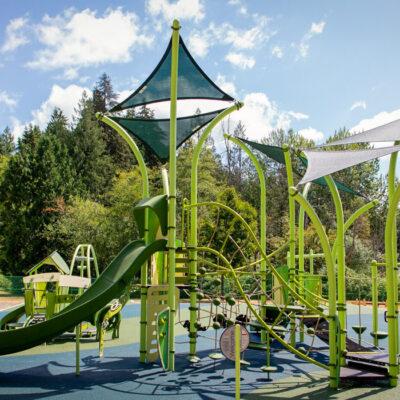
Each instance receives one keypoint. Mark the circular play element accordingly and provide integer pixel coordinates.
(379, 335)
(227, 341)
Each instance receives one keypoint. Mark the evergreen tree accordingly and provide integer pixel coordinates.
(105, 98)
(37, 182)
(93, 164)
(7, 146)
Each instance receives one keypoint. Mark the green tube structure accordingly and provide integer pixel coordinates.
(391, 274)
(340, 254)
(263, 223)
(193, 226)
(391, 191)
(334, 365)
(292, 235)
(145, 193)
(374, 290)
(301, 250)
(172, 193)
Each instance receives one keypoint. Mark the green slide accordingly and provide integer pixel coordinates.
(110, 285)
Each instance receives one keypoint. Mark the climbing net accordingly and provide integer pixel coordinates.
(237, 282)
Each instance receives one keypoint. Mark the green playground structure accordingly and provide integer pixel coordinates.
(285, 304)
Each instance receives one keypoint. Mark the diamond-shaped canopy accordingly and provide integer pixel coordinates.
(193, 83)
(154, 133)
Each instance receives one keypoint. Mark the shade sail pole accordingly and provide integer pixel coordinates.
(301, 229)
(339, 257)
(263, 225)
(292, 236)
(334, 345)
(391, 270)
(172, 193)
(145, 193)
(192, 245)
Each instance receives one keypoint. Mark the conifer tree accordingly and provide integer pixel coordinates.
(93, 164)
(7, 146)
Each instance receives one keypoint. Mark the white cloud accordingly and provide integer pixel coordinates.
(359, 104)
(317, 28)
(311, 134)
(381, 118)
(6, 99)
(227, 34)
(226, 86)
(277, 52)
(15, 35)
(17, 128)
(240, 60)
(241, 8)
(303, 47)
(80, 39)
(180, 9)
(260, 115)
(64, 98)
(198, 45)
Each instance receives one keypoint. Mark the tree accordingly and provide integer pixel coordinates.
(7, 146)
(105, 98)
(237, 247)
(93, 164)
(38, 180)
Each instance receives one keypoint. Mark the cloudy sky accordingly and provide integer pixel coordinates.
(312, 65)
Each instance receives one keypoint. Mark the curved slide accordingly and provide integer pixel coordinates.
(110, 285)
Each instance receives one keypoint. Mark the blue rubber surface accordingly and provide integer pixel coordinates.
(120, 375)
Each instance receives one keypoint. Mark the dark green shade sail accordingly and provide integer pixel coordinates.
(193, 82)
(276, 154)
(154, 133)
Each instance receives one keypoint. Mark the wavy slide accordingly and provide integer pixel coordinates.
(110, 285)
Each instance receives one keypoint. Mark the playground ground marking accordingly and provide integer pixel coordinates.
(9, 308)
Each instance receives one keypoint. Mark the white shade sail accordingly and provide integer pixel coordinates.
(322, 163)
(385, 133)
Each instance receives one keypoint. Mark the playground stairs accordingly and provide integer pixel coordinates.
(365, 366)
(182, 267)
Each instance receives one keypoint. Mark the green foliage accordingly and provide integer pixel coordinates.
(7, 146)
(82, 221)
(37, 181)
(224, 232)
(93, 165)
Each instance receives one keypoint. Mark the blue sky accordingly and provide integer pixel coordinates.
(314, 66)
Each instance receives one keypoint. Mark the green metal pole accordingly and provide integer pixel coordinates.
(292, 235)
(311, 262)
(172, 193)
(391, 271)
(334, 365)
(145, 193)
(263, 224)
(301, 251)
(237, 361)
(391, 190)
(193, 227)
(374, 276)
(341, 267)
(78, 331)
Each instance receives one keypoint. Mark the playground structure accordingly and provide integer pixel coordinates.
(48, 292)
(285, 305)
